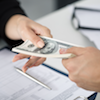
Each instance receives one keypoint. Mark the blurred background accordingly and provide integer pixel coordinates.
(39, 8)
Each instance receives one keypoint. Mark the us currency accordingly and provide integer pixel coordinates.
(50, 49)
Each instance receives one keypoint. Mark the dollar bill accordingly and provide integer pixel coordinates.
(50, 49)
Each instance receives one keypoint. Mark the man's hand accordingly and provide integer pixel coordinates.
(84, 69)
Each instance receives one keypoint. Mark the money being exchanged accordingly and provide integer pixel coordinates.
(50, 49)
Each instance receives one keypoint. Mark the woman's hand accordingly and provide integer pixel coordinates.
(33, 61)
(21, 27)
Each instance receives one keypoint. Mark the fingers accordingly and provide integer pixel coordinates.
(29, 29)
(36, 40)
(63, 51)
(40, 61)
(29, 34)
(73, 50)
(30, 62)
(19, 57)
(69, 64)
(40, 29)
(33, 61)
(36, 30)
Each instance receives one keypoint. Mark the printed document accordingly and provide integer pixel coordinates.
(15, 86)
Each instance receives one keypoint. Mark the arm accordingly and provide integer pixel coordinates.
(16, 27)
(8, 8)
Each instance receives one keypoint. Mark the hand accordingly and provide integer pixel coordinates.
(33, 61)
(84, 69)
(21, 27)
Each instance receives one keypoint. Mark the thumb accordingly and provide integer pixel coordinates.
(74, 50)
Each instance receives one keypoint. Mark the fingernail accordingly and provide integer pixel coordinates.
(62, 50)
(40, 43)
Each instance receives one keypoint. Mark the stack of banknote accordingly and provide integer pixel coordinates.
(50, 49)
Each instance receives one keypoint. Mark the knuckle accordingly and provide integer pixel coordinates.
(78, 85)
(65, 63)
(72, 78)
(90, 49)
(23, 30)
(68, 64)
(48, 30)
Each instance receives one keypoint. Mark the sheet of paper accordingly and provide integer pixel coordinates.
(14, 86)
(93, 35)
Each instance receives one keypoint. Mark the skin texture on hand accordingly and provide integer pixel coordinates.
(84, 69)
(21, 27)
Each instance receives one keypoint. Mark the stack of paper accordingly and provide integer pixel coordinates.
(15, 86)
